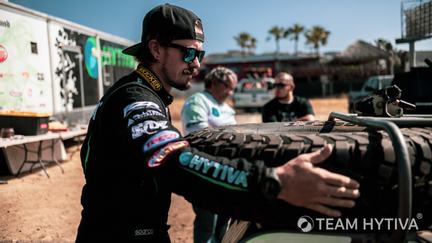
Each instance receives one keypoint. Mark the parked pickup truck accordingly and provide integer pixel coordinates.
(252, 94)
(372, 84)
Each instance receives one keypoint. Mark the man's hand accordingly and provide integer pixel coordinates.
(303, 184)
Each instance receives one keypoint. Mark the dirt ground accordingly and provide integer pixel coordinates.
(40, 209)
(34, 208)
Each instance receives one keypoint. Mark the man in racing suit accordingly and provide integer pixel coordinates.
(133, 158)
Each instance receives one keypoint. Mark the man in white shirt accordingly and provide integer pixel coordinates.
(209, 109)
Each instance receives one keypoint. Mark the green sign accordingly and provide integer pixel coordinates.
(113, 56)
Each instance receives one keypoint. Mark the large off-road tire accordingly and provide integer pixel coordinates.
(366, 155)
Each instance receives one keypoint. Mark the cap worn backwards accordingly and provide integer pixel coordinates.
(166, 23)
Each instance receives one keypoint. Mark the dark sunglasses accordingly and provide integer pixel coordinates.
(280, 85)
(189, 54)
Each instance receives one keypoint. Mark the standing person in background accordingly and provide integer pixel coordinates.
(209, 109)
(286, 106)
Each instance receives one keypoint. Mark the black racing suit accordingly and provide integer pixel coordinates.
(133, 159)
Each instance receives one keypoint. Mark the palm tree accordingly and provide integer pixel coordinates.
(295, 32)
(243, 39)
(277, 33)
(317, 36)
(252, 44)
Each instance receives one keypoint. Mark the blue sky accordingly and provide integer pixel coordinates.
(347, 20)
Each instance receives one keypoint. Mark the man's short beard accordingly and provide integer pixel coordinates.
(282, 98)
(181, 87)
(171, 83)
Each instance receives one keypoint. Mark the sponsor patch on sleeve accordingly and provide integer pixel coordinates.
(148, 114)
(160, 156)
(214, 171)
(140, 105)
(159, 139)
(147, 127)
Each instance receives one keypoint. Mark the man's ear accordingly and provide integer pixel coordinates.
(291, 88)
(155, 49)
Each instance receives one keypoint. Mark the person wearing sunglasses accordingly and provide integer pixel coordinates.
(133, 158)
(209, 109)
(286, 106)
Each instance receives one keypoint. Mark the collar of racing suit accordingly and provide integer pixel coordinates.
(153, 82)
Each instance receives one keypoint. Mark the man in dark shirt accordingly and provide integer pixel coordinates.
(133, 157)
(286, 106)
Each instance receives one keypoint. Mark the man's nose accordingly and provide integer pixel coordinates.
(195, 63)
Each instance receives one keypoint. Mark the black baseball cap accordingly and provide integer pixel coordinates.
(166, 23)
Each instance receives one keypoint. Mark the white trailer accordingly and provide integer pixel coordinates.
(52, 65)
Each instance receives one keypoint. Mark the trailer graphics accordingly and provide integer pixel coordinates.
(55, 66)
(24, 66)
